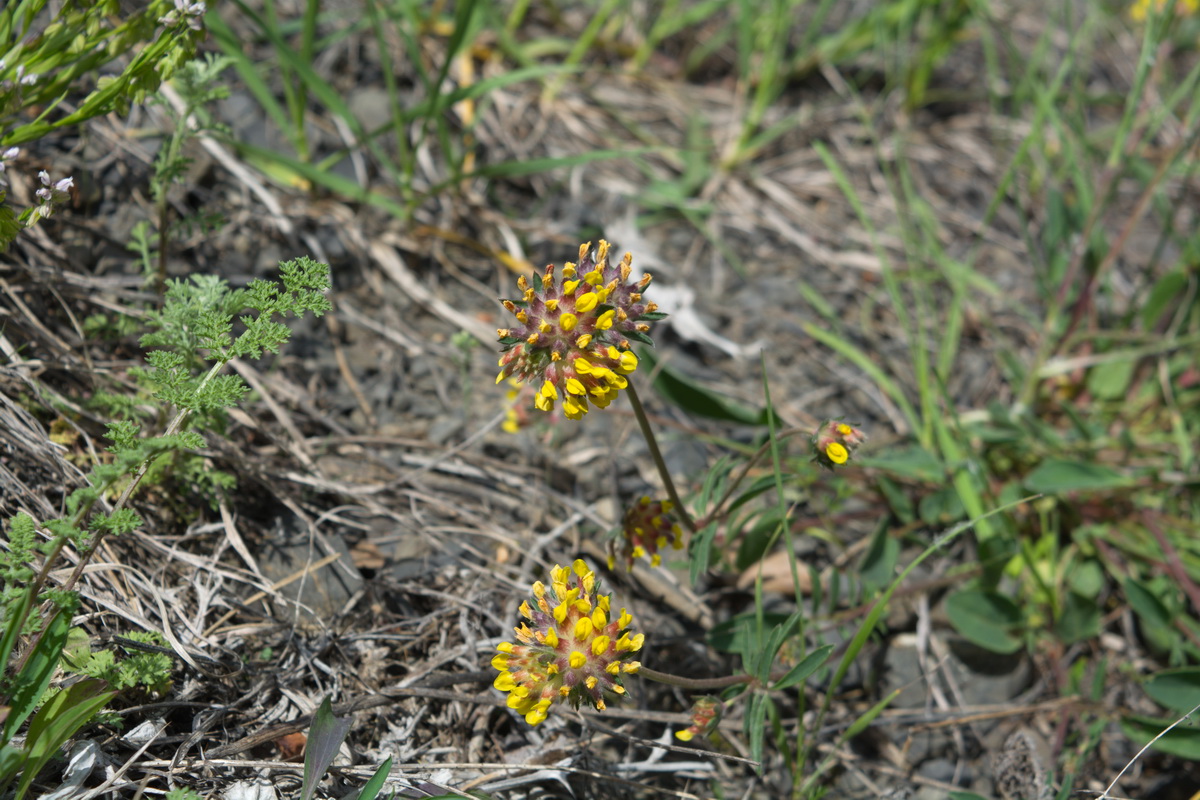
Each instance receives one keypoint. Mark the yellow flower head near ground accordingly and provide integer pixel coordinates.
(570, 648)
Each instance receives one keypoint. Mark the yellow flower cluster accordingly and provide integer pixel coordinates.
(834, 442)
(1140, 10)
(649, 526)
(573, 334)
(568, 649)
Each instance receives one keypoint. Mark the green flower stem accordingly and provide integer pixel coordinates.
(751, 462)
(656, 454)
(696, 683)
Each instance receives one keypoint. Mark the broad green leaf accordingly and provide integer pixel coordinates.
(12, 759)
(29, 685)
(324, 738)
(941, 507)
(1086, 577)
(807, 666)
(1157, 623)
(915, 463)
(757, 537)
(762, 661)
(695, 398)
(878, 565)
(897, 499)
(1079, 619)
(1146, 604)
(56, 722)
(1182, 740)
(1175, 689)
(1054, 475)
(756, 715)
(987, 619)
(1110, 380)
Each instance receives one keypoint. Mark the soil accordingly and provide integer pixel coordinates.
(384, 527)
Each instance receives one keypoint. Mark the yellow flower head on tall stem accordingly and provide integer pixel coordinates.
(574, 330)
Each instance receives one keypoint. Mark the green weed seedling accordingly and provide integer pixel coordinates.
(193, 339)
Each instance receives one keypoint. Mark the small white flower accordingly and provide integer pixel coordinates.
(192, 12)
(51, 194)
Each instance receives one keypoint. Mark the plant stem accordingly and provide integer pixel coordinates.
(77, 520)
(656, 454)
(695, 683)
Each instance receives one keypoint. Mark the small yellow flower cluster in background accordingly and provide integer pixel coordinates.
(1140, 10)
(649, 526)
(568, 650)
(834, 442)
(706, 713)
(573, 334)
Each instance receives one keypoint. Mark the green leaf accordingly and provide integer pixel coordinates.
(324, 738)
(1166, 291)
(965, 796)
(12, 759)
(1079, 619)
(1086, 577)
(914, 463)
(703, 551)
(57, 721)
(737, 635)
(1175, 689)
(878, 564)
(898, 501)
(756, 715)
(372, 787)
(29, 685)
(13, 624)
(756, 537)
(1146, 604)
(1157, 623)
(762, 660)
(1110, 380)
(942, 507)
(697, 399)
(807, 666)
(1182, 740)
(987, 619)
(1054, 476)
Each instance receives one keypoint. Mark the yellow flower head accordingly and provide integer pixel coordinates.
(649, 527)
(570, 650)
(573, 335)
(834, 442)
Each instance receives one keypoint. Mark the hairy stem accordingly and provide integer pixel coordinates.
(696, 683)
(648, 434)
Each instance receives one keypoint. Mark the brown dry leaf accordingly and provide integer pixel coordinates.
(366, 555)
(777, 575)
(291, 746)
